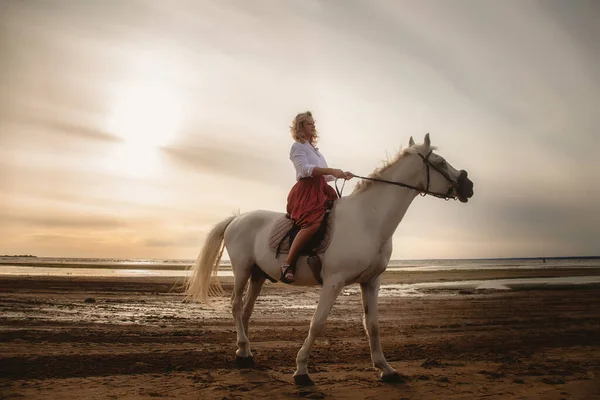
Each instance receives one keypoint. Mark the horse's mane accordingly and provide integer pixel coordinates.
(364, 184)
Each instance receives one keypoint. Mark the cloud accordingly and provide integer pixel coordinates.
(68, 221)
(492, 226)
(174, 240)
(554, 222)
(50, 125)
(233, 160)
(81, 131)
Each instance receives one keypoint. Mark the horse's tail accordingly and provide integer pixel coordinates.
(199, 286)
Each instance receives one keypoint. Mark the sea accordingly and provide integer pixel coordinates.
(129, 267)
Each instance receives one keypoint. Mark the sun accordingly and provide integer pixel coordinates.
(146, 114)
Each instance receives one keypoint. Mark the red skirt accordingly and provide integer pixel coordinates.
(306, 200)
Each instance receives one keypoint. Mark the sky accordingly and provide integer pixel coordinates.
(127, 129)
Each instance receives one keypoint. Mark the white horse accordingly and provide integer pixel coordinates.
(359, 251)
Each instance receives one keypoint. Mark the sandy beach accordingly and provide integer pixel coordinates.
(134, 337)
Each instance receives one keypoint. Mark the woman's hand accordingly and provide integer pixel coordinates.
(338, 173)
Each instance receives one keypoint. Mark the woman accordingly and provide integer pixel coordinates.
(306, 201)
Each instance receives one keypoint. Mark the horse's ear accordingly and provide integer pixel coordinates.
(411, 142)
(427, 142)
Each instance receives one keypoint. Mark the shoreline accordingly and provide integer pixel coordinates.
(393, 285)
(390, 276)
(183, 264)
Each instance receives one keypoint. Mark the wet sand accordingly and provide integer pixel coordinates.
(131, 338)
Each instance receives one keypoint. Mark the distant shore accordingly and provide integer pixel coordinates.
(111, 265)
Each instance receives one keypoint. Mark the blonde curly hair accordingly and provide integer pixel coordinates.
(298, 125)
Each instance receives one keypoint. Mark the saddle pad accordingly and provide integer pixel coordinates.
(284, 224)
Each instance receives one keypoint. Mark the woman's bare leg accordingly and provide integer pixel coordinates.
(301, 239)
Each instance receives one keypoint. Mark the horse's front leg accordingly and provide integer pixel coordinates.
(370, 292)
(329, 293)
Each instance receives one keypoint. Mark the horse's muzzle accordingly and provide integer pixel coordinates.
(464, 187)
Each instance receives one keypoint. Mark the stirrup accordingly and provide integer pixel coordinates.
(286, 273)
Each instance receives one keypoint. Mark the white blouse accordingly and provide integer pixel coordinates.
(305, 158)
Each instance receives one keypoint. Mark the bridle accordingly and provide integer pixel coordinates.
(446, 196)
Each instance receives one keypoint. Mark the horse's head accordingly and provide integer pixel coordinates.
(439, 177)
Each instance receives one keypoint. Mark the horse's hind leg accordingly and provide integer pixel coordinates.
(256, 282)
(241, 274)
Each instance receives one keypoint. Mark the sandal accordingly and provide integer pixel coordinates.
(287, 274)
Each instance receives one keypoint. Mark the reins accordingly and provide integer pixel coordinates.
(447, 196)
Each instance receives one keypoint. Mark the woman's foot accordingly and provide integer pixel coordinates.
(287, 274)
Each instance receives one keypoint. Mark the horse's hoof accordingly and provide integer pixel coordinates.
(244, 362)
(393, 378)
(303, 380)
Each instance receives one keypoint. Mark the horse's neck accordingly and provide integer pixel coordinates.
(383, 205)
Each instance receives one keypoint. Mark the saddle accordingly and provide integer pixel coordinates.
(285, 230)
